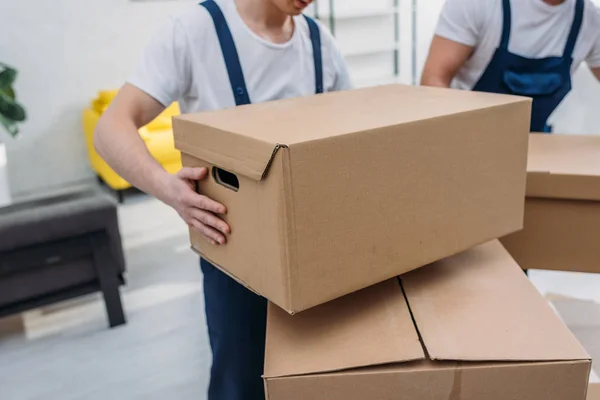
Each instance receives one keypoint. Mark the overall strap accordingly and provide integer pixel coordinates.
(230, 55)
(315, 38)
(575, 28)
(506, 24)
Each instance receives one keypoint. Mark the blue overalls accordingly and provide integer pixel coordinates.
(546, 80)
(236, 317)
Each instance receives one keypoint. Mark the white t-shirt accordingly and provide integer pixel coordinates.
(183, 62)
(538, 30)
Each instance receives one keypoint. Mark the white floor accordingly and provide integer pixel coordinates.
(65, 352)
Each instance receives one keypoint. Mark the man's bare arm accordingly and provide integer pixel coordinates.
(443, 62)
(118, 141)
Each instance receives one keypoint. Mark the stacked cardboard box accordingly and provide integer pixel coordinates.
(581, 313)
(562, 211)
(339, 193)
(594, 392)
(469, 327)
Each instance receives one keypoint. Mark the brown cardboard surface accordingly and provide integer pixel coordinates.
(341, 191)
(379, 331)
(255, 246)
(582, 317)
(483, 284)
(558, 235)
(562, 209)
(450, 300)
(594, 392)
(564, 166)
(511, 381)
(312, 118)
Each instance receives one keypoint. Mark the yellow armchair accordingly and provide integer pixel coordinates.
(158, 136)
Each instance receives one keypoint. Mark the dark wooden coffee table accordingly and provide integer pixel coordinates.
(57, 248)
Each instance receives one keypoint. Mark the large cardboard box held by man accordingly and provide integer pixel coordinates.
(562, 211)
(332, 193)
(470, 327)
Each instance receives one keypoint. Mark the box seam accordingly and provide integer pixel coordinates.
(184, 146)
(272, 158)
(223, 270)
(410, 124)
(462, 362)
(459, 364)
(289, 233)
(414, 321)
(551, 193)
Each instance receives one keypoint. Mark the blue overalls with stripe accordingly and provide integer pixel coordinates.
(236, 317)
(546, 80)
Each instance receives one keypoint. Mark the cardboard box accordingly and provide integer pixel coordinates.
(582, 317)
(594, 392)
(470, 327)
(332, 193)
(562, 211)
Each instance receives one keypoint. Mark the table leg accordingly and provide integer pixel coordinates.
(107, 272)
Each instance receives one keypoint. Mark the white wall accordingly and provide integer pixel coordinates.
(65, 51)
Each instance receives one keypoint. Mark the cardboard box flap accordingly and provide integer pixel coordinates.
(480, 306)
(232, 152)
(311, 118)
(369, 327)
(564, 166)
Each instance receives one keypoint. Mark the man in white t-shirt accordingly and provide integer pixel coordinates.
(218, 54)
(523, 47)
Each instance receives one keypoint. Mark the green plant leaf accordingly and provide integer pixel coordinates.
(7, 77)
(10, 109)
(11, 127)
(10, 92)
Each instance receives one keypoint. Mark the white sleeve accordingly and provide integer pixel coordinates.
(164, 70)
(593, 58)
(462, 21)
(342, 77)
(332, 54)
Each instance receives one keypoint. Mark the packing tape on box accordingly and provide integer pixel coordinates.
(456, 393)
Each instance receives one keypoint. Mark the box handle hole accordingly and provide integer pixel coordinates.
(226, 178)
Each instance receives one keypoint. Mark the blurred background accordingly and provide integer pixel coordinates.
(71, 56)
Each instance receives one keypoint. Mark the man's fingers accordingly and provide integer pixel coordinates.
(205, 203)
(211, 235)
(211, 220)
(195, 174)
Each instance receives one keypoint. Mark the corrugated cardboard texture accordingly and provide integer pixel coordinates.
(594, 392)
(401, 198)
(312, 118)
(344, 190)
(243, 155)
(479, 306)
(564, 166)
(582, 317)
(444, 381)
(558, 235)
(562, 211)
(369, 327)
(260, 262)
(446, 298)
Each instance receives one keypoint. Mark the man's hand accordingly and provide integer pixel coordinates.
(118, 141)
(196, 210)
